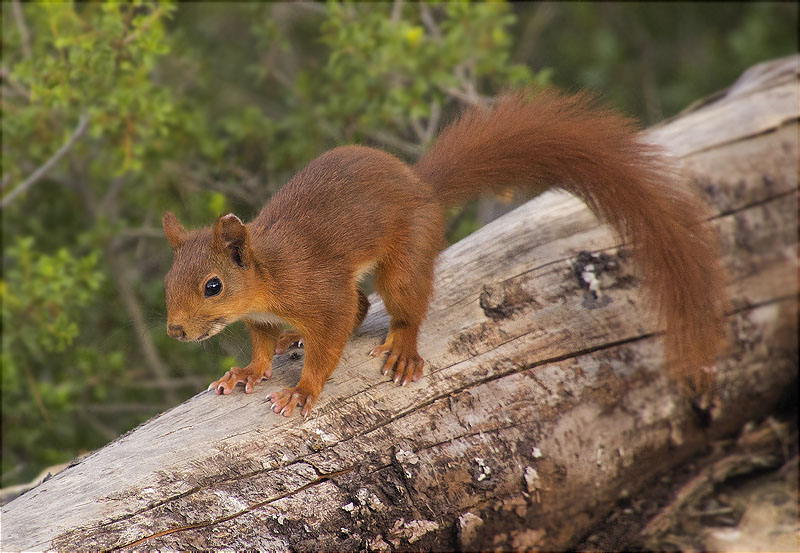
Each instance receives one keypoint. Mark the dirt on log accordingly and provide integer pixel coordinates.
(542, 401)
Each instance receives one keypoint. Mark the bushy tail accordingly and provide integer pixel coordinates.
(544, 139)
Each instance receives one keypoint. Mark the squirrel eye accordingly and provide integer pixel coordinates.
(213, 287)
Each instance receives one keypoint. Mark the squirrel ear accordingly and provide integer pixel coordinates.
(231, 234)
(173, 230)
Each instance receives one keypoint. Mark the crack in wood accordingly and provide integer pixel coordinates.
(758, 304)
(492, 430)
(251, 508)
(176, 430)
(715, 217)
(211, 484)
(724, 95)
(152, 506)
(757, 203)
(743, 138)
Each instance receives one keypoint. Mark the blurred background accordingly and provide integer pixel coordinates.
(113, 113)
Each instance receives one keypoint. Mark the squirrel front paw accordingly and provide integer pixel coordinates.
(251, 375)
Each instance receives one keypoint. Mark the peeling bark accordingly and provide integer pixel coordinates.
(544, 398)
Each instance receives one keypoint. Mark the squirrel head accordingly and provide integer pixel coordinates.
(210, 284)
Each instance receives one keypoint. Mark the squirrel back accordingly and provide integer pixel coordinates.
(547, 139)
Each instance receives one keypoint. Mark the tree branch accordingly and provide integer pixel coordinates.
(110, 197)
(397, 11)
(417, 128)
(433, 122)
(135, 312)
(83, 124)
(469, 98)
(119, 271)
(25, 36)
(14, 89)
(544, 14)
(143, 27)
(390, 140)
(428, 20)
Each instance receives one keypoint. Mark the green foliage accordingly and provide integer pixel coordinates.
(202, 108)
(92, 60)
(43, 298)
(385, 70)
(42, 295)
(95, 59)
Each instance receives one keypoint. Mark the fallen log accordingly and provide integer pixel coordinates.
(542, 402)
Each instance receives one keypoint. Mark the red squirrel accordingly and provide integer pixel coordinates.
(356, 209)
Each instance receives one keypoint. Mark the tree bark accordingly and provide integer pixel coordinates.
(540, 406)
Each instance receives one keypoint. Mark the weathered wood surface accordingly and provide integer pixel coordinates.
(540, 405)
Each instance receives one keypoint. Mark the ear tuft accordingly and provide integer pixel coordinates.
(173, 230)
(232, 234)
(231, 219)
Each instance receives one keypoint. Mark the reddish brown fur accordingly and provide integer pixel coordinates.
(550, 139)
(355, 207)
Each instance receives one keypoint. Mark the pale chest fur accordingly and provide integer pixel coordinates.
(266, 318)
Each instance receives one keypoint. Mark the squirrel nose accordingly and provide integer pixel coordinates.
(176, 331)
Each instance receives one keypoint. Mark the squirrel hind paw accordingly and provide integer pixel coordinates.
(287, 340)
(405, 363)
